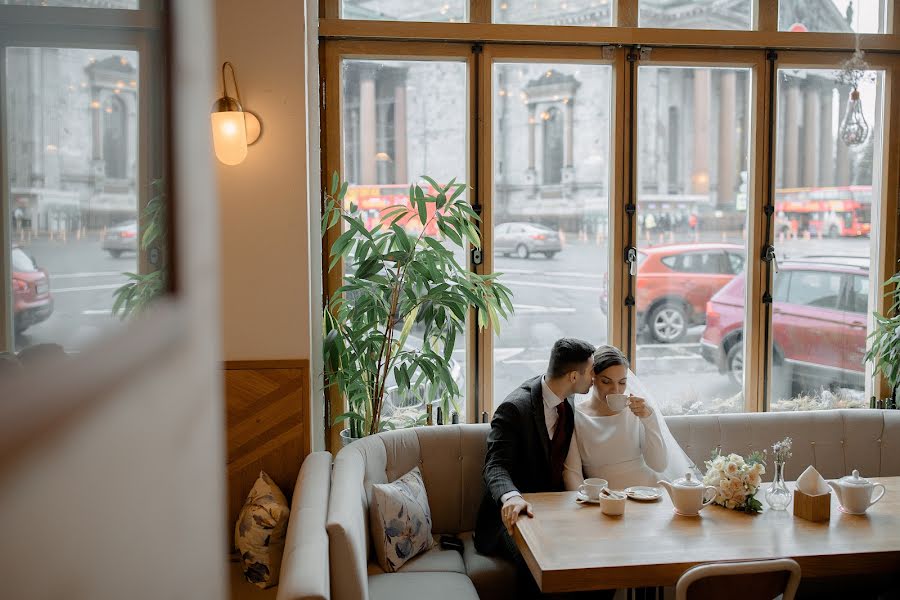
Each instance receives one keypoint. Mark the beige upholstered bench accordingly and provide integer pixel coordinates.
(451, 459)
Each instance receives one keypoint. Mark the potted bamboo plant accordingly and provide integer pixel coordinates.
(884, 353)
(398, 275)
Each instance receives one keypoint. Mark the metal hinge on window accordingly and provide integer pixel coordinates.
(608, 52)
(645, 53)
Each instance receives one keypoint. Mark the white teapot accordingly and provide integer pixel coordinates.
(854, 493)
(689, 495)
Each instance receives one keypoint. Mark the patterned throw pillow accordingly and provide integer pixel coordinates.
(401, 520)
(260, 531)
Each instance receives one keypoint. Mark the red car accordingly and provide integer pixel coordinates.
(675, 282)
(819, 312)
(32, 302)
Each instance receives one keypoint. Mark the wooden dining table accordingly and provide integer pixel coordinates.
(570, 546)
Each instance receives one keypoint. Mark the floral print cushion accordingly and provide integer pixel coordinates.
(260, 531)
(401, 520)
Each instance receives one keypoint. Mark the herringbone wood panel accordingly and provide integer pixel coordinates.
(267, 427)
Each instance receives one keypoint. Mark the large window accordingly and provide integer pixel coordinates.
(691, 221)
(696, 14)
(402, 10)
(589, 13)
(83, 179)
(839, 16)
(402, 120)
(826, 193)
(551, 148)
(630, 180)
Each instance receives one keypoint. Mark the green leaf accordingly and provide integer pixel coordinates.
(448, 231)
(423, 211)
(432, 183)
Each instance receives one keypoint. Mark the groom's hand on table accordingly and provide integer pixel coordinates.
(639, 406)
(511, 510)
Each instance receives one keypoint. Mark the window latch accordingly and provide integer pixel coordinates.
(631, 259)
(770, 257)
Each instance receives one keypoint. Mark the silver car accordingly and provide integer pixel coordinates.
(121, 238)
(525, 239)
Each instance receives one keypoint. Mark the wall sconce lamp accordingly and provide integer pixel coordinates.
(233, 128)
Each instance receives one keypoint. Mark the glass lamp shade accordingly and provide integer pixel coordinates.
(854, 129)
(229, 136)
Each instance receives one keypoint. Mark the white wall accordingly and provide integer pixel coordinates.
(263, 201)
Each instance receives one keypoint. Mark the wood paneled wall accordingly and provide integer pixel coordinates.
(267, 407)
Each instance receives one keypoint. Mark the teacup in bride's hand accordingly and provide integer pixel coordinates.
(617, 402)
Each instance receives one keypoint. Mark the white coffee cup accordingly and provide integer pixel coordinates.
(592, 487)
(612, 503)
(617, 402)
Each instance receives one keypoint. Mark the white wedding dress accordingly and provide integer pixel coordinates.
(624, 449)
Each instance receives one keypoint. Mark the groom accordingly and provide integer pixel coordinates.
(528, 443)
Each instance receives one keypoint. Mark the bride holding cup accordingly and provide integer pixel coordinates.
(620, 434)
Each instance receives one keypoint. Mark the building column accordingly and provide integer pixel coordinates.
(400, 161)
(726, 159)
(811, 145)
(532, 125)
(569, 133)
(842, 168)
(700, 168)
(367, 132)
(826, 138)
(791, 135)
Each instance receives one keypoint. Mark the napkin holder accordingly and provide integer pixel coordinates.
(812, 508)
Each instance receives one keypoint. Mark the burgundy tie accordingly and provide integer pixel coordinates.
(559, 447)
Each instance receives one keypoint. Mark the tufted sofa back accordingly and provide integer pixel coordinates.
(834, 441)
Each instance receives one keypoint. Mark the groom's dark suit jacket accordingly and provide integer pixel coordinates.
(518, 458)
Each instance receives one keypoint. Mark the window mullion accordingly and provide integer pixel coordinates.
(766, 15)
(7, 343)
(626, 13)
(756, 351)
(480, 11)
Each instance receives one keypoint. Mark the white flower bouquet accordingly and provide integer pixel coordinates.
(736, 480)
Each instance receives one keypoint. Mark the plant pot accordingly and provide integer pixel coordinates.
(346, 438)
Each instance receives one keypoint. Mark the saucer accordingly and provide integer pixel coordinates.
(849, 512)
(682, 514)
(581, 498)
(643, 492)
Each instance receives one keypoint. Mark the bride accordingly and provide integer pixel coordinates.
(632, 446)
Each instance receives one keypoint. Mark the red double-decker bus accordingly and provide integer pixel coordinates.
(841, 211)
(372, 199)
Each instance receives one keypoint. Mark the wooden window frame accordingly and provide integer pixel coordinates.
(131, 30)
(333, 52)
(683, 47)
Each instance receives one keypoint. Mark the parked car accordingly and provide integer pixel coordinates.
(675, 282)
(525, 239)
(32, 302)
(819, 315)
(121, 238)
